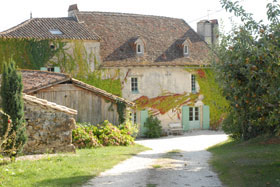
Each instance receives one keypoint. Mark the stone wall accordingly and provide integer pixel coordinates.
(49, 126)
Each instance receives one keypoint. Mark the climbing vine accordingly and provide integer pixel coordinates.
(163, 104)
(212, 96)
(121, 111)
(72, 57)
(28, 53)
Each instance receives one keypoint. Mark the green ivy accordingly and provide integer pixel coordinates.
(213, 97)
(28, 53)
(70, 56)
(121, 111)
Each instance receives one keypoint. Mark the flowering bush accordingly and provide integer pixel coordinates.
(83, 137)
(106, 134)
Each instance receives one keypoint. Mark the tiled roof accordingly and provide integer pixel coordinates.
(163, 37)
(39, 28)
(34, 80)
(45, 103)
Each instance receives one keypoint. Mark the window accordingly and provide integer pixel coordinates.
(134, 117)
(193, 83)
(196, 113)
(193, 114)
(139, 49)
(55, 31)
(51, 69)
(134, 85)
(186, 50)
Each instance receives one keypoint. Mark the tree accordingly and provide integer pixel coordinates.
(12, 103)
(248, 69)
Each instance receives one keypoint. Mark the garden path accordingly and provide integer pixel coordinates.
(173, 161)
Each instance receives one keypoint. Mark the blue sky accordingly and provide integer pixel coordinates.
(14, 12)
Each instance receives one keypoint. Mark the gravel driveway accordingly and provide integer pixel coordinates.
(173, 161)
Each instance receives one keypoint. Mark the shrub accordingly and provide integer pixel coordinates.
(129, 128)
(12, 103)
(106, 134)
(112, 135)
(7, 139)
(83, 137)
(153, 127)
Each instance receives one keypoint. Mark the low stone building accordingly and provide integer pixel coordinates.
(49, 126)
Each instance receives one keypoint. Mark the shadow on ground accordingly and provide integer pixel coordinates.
(69, 182)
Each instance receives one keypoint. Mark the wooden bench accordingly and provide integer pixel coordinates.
(175, 128)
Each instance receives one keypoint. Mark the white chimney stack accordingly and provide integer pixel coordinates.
(208, 30)
(73, 10)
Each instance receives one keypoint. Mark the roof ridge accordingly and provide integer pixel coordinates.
(125, 14)
(101, 91)
(47, 72)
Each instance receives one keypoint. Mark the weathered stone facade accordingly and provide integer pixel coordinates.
(49, 126)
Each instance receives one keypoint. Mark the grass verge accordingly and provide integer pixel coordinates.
(65, 170)
(252, 163)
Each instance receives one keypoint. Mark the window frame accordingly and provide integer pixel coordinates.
(193, 83)
(141, 47)
(134, 85)
(134, 117)
(50, 69)
(184, 50)
(193, 113)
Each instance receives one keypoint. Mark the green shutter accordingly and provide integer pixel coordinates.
(44, 69)
(206, 117)
(57, 69)
(185, 118)
(144, 116)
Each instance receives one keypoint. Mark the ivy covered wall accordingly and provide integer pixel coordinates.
(212, 96)
(75, 57)
(27, 53)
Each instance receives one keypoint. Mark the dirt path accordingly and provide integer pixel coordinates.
(173, 161)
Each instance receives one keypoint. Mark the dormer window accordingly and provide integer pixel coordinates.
(186, 50)
(138, 45)
(139, 49)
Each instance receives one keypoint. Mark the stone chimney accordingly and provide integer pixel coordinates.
(208, 30)
(72, 10)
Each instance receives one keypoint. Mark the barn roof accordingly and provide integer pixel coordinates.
(50, 28)
(162, 36)
(35, 80)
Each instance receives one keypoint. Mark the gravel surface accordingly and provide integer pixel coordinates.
(173, 161)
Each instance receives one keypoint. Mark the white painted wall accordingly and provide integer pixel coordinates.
(155, 81)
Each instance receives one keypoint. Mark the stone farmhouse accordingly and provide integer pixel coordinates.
(157, 59)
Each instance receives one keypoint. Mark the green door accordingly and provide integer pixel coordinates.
(194, 122)
(206, 117)
(190, 118)
(144, 115)
(185, 118)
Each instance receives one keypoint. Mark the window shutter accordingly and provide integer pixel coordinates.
(206, 117)
(144, 116)
(44, 69)
(57, 69)
(185, 118)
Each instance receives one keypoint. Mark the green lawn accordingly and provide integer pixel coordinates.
(253, 163)
(65, 170)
